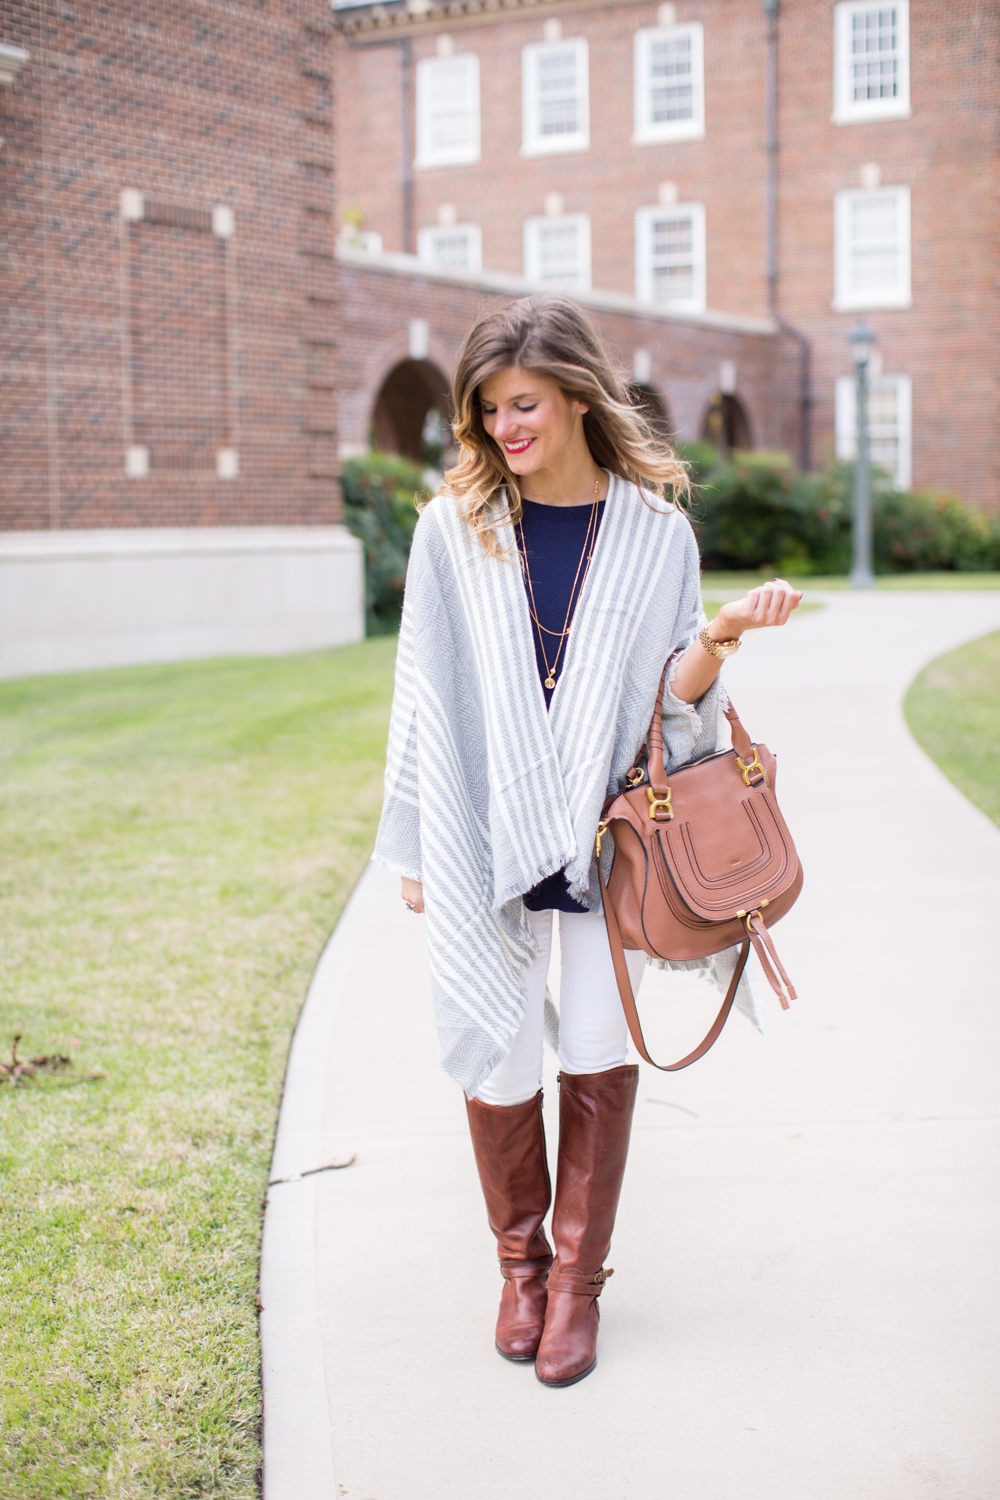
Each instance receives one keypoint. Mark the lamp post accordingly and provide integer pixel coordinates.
(862, 339)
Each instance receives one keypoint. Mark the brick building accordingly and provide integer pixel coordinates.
(638, 149)
(168, 333)
(168, 319)
(182, 334)
(188, 341)
(168, 344)
(402, 324)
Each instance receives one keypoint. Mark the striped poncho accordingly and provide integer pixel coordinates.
(486, 793)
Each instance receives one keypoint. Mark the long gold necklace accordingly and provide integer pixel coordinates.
(588, 553)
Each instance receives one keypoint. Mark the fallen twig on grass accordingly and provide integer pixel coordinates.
(49, 1062)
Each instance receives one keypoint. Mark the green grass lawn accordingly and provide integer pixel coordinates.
(177, 844)
(953, 710)
(732, 585)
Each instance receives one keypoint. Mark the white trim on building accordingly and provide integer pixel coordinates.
(557, 252)
(871, 61)
(453, 247)
(669, 83)
(670, 258)
(555, 97)
(872, 248)
(448, 130)
(71, 601)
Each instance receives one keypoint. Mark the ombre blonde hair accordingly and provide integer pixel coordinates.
(552, 336)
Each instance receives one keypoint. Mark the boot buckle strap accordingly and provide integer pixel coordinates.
(574, 1281)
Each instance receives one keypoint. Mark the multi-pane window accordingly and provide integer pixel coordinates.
(871, 65)
(448, 110)
(557, 252)
(455, 247)
(670, 257)
(889, 423)
(872, 248)
(555, 97)
(669, 83)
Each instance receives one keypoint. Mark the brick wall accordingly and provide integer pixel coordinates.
(165, 336)
(162, 332)
(609, 182)
(946, 152)
(683, 358)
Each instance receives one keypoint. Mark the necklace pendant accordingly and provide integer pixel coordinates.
(550, 681)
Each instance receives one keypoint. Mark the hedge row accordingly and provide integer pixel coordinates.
(755, 510)
(751, 511)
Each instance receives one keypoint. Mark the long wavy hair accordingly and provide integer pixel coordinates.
(552, 336)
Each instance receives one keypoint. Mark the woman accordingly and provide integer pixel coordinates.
(548, 584)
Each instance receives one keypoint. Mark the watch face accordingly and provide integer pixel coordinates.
(729, 650)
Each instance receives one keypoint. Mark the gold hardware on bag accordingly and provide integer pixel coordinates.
(635, 776)
(749, 767)
(602, 829)
(655, 802)
(765, 902)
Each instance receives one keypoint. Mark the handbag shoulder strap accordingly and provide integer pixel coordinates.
(628, 999)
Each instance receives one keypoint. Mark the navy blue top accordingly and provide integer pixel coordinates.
(553, 540)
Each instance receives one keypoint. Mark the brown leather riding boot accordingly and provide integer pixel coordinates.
(595, 1120)
(509, 1143)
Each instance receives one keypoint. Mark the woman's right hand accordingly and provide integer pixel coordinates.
(413, 894)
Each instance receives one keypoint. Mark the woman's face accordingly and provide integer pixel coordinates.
(530, 419)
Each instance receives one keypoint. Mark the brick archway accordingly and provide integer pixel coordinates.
(726, 425)
(412, 390)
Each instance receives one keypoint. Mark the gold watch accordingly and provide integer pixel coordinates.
(721, 649)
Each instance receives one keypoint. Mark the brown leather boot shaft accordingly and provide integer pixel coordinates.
(509, 1146)
(595, 1122)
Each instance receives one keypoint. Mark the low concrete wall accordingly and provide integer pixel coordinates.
(70, 600)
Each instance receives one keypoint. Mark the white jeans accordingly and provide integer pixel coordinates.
(593, 1035)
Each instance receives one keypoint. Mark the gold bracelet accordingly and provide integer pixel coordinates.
(719, 649)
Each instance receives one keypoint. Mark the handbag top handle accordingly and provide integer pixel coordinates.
(742, 743)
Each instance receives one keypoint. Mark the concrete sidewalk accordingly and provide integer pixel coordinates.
(805, 1299)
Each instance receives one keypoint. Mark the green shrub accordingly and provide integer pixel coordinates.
(755, 510)
(380, 492)
(927, 531)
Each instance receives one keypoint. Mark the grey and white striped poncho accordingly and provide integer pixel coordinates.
(486, 793)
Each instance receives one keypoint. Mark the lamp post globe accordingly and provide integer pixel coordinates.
(862, 341)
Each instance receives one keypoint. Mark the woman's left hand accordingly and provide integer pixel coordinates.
(769, 604)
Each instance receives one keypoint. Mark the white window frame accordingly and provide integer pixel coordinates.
(846, 411)
(645, 285)
(533, 142)
(845, 295)
(429, 155)
(427, 237)
(647, 130)
(533, 250)
(847, 109)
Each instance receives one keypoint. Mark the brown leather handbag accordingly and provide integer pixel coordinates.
(703, 860)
